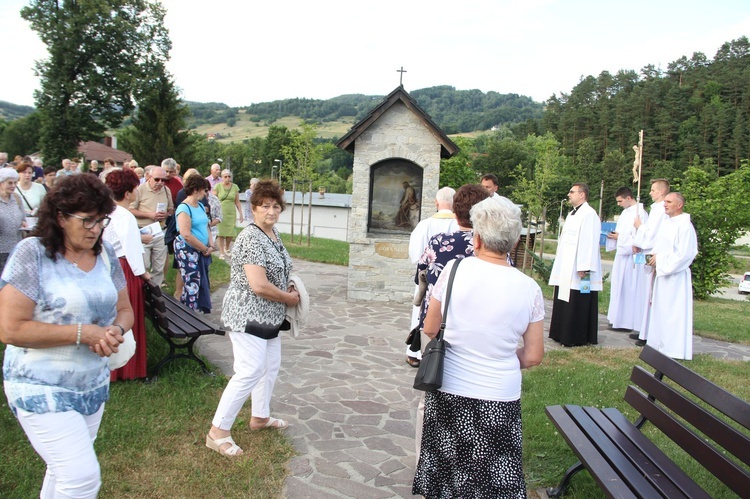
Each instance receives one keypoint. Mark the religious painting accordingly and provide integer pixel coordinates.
(395, 196)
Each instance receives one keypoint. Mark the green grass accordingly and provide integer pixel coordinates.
(320, 250)
(151, 442)
(598, 377)
(152, 439)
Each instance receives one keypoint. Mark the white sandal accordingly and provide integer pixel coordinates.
(279, 424)
(215, 445)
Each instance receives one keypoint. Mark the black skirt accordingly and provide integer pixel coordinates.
(471, 448)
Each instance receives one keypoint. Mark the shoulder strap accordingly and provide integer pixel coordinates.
(448, 299)
(24, 197)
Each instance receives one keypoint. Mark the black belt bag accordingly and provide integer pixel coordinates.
(264, 331)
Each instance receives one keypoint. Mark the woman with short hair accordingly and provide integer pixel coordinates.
(123, 234)
(12, 216)
(64, 309)
(477, 411)
(31, 192)
(254, 310)
(194, 245)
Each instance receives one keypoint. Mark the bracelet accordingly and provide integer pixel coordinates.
(122, 329)
(78, 335)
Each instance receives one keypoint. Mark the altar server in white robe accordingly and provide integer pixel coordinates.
(669, 320)
(645, 237)
(575, 314)
(628, 280)
(443, 221)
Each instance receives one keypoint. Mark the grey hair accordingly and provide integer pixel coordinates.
(169, 163)
(445, 196)
(498, 223)
(227, 171)
(254, 181)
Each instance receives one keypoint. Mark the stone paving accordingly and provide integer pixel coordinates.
(346, 390)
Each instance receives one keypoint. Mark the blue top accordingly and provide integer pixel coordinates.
(198, 220)
(65, 378)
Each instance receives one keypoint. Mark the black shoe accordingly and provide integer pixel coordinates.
(640, 343)
(633, 336)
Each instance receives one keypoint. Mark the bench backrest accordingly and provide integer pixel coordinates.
(678, 415)
(155, 306)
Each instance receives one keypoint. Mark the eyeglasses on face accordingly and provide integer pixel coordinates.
(91, 222)
(158, 179)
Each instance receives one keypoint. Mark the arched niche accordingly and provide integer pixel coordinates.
(395, 196)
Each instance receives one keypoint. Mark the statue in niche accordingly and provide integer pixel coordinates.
(395, 196)
(407, 215)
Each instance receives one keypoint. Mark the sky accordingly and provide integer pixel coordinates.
(241, 52)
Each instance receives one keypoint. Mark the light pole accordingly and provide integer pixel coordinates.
(274, 165)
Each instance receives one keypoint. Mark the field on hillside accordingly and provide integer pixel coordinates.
(246, 129)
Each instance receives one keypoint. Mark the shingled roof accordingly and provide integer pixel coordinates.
(447, 147)
(90, 150)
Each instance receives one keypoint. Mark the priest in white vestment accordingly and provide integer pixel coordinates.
(577, 274)
(628, 289)
(669, 322)
(646, 231)
(444, 221)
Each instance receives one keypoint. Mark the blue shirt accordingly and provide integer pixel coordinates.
(198, 220)
(64, 378)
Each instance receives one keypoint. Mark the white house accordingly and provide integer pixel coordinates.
(329, 218)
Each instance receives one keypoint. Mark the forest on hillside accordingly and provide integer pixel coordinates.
(455, 111)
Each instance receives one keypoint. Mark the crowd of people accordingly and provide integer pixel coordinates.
(93, 237)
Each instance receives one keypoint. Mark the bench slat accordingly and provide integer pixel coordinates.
(655, 466)
(666, 466)
(721, 433)
(717, 397)
(620, 462)
(724, 469)
(599, 467)
(188, 317)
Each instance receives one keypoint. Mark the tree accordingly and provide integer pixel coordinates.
(719, 208)
(21, 136)
(158, 125)
(301, 154)
(99, 52)
(457, 171)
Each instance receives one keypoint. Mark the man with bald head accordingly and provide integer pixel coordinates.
(215, 176)
(669, 319)
(643, 242)
(153, 203)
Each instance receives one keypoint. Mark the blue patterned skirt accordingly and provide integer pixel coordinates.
(193, 266)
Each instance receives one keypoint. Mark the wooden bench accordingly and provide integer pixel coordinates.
(626, 463)
(177, 324)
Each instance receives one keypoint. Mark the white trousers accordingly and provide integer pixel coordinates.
(256, 365)
(65, 440)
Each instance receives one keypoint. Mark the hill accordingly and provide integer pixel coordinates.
(455, 111)
(10, 112)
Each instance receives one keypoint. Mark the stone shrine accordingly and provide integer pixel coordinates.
(397, 150)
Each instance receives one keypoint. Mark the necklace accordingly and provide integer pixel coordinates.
(74, 262)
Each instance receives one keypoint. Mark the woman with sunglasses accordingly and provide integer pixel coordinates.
(64, 308)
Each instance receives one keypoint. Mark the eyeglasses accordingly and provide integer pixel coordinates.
(156, 179)
(573, 192)
(91, 222)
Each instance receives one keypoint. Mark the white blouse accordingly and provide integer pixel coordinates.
(490, 309)
(123, 234)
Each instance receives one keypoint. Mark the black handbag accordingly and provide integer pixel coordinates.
(264, 331)
(430, 373)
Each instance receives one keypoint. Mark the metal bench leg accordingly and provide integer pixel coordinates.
(565, 482)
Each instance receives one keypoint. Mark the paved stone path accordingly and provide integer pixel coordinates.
(346, 390)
